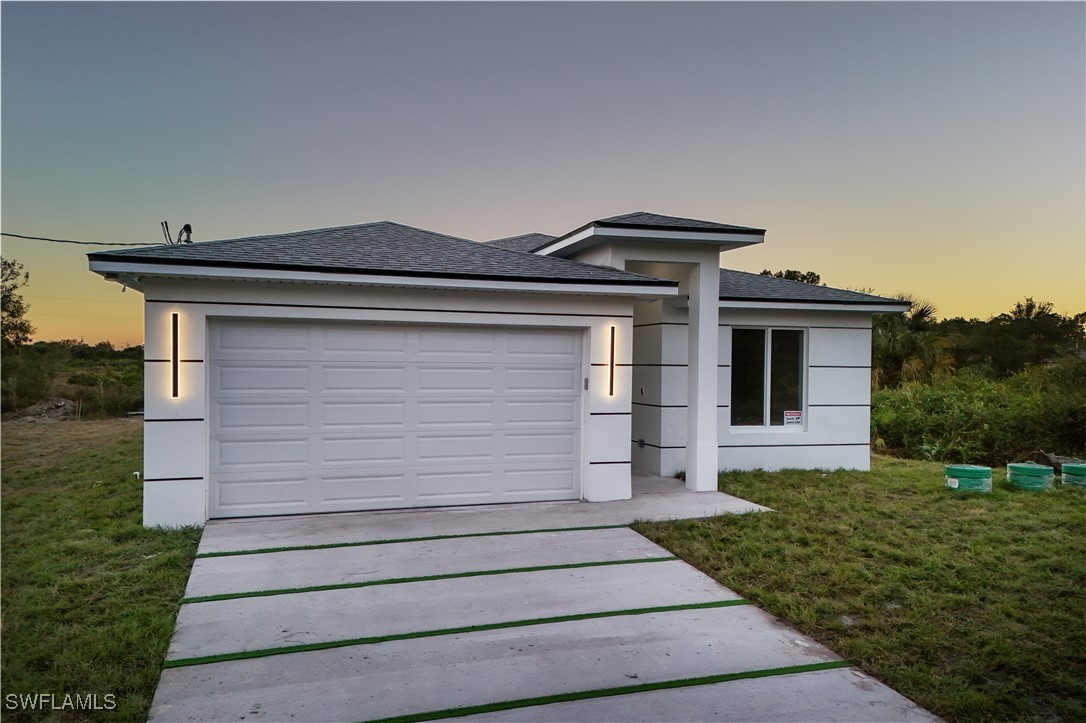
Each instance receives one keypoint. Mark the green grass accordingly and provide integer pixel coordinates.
(89, 595)
(972, 605)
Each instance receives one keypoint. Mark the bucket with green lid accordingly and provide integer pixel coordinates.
(968, 478)
(1030, 475)
(1074, 473)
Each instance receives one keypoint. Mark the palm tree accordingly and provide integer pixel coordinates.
(907, 346)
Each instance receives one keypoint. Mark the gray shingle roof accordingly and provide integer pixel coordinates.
(655, 220)
(526, 242)
(743, 286)
(383, 248)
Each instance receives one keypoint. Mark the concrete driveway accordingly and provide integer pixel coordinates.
(541, 612)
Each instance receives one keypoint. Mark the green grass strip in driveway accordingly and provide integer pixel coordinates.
(606, 692)
(393, 541)
(327, 645)
(421, 578)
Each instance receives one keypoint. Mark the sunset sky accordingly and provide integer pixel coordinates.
(933, 148)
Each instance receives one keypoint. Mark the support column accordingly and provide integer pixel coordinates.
(701, 405)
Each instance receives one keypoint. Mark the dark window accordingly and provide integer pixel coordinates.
(748, 377)
(786, 375)
(767, 376)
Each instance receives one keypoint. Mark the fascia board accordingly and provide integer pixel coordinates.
(718, 238)
(211, 272)
(566, 242)
(815, 306)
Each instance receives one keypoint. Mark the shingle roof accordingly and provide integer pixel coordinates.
(526, 242)
(655, 220)
(743, 286)
(383, 248)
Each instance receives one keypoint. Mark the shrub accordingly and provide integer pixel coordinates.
(25, 381)
(968, 418)
(105, 389)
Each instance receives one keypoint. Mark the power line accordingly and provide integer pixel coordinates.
(67, 241)
(32, 297)
(84, 316)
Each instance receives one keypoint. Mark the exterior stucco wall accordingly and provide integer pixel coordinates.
(837, 397)
(176, 429)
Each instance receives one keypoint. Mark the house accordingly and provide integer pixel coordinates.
(382, 366)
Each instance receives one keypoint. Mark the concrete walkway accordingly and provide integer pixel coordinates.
(510, 612)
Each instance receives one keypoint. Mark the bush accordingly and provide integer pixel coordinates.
(105, 389)
(968, 418)
(25, 381)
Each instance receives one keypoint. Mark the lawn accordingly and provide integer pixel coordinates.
(972, 605)
(89, 596)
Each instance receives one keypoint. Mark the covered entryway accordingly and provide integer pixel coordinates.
(312, 416)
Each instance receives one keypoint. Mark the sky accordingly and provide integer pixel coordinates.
(931, 148)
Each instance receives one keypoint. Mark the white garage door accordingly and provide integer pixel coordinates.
(327, 417)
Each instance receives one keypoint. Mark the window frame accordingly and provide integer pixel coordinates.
(767, 379)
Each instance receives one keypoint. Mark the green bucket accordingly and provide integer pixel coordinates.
(1030, 475)
(968, 478)
(1074, 473)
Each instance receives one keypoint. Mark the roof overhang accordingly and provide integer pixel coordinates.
(597, 233)
(132, 274)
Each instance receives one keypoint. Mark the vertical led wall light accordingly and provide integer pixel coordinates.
(174, 360)
(611, 365)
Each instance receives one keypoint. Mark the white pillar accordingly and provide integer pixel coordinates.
(701, 405)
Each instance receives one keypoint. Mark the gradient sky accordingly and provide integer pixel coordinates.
(933, 148)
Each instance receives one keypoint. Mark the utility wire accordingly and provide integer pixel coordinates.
(67, 241)
(33, 297)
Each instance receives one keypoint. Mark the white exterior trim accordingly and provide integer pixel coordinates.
(212, 272)
(713, 238)
(814, 306)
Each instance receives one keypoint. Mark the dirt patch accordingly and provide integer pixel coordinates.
(46, 411)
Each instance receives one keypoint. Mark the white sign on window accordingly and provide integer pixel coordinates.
(793, 419)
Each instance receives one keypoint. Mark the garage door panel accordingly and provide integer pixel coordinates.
(455, 448)
(360, 450)
(265, 492)
(453, 345)
(260, 453)
(264, 379)
(378, 342)
(249, 417)
(531, 482)
(542, 413)
(371, 416)
(540, 380)
(456, 413)
(267, 339)
(362, 379)
(540, 446)
(544, 344)
(328, 416)
(462, 486)
(386, 489)
(448, 379)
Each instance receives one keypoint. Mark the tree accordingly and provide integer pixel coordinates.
(1030, 333)
(908, 346)
(807, 277)
(16, 328)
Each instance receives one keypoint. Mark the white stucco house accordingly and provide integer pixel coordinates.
(382, 366)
